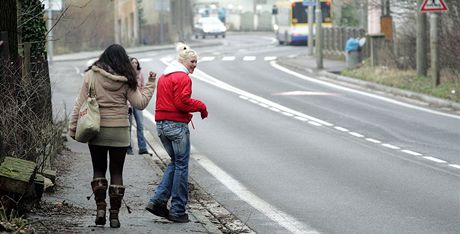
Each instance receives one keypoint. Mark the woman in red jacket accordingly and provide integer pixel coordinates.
(172, 115)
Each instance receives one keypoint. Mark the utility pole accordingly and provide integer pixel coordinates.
(256, 19)
(310, 30)
(50, 33)
(434, 48)
(319, 36)
(421, 42)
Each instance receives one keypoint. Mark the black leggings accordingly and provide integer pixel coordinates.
(117, 159)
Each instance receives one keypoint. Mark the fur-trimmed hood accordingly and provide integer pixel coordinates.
(112, 82)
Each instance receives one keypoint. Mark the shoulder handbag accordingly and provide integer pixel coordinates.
(89, 117)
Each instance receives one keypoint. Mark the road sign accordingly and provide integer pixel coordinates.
(433, 6)
(309, 2)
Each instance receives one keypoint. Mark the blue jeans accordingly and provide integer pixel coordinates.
(139, 127)
(175, 137)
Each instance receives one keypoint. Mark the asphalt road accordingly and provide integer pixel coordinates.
(287, 153)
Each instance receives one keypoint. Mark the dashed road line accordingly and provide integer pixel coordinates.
(314, 123)
(341, 129)
(356, 134)
(434, 159)
(391, 146)
(208, 58)
(373, 140)
(249, 58)
(411, 152)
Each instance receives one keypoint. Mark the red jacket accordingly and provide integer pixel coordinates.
(174, 102)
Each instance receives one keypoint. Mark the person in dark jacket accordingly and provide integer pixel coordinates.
(172, 115)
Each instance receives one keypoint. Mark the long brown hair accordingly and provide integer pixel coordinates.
(115, 59)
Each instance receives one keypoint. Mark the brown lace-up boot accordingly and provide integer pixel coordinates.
(99, 186)
(116, 193)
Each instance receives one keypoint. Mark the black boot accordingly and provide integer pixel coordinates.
(99, 186)
(116, 193)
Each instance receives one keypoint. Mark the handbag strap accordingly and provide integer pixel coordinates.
(91, 87)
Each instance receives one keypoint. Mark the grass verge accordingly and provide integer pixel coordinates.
(449, 89)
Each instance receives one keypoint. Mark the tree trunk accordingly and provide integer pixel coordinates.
(8, 23)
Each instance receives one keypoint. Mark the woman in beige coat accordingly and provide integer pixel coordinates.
(115, 83)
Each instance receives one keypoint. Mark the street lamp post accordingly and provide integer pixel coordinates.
(319, 36)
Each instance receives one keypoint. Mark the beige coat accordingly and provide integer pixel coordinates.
(112, 92)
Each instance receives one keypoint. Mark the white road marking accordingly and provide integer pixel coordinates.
(304, 93)
(208, 58)
(228, 58)
(301, 76)
(356, 134)
(411, 152)
(283, 219)
(145, 59)
(301, 119)
(269, 58)
(455, 166)
(391, 146)
(341, 129)
(314, 123)
(253, 101)
(263, 105)
(373, 140)
(275, 109)
(434, 159)
(249, 58)
(287, 114)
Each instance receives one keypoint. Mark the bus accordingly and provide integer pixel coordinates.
(291, 20)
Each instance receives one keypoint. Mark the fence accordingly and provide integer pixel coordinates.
(335, 39)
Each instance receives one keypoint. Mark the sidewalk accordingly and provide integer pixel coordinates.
(95, 54)
(67, 210)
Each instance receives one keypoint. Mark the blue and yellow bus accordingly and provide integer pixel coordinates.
(291, 20)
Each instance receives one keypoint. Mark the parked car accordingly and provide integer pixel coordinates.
(209, 26)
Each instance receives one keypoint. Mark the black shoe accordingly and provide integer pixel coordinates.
(179, 219)
(158, 210)
(130, 152)
(144, 152)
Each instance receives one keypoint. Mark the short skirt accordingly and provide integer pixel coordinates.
(112, 136)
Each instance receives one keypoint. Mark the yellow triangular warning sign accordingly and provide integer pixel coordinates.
(433, 5)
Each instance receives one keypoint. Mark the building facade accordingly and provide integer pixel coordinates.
(149, 22)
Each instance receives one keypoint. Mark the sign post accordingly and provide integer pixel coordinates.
(310, 4)
(319, 36)
(434, 6)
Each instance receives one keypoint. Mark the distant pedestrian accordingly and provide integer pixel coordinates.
(115, 83)
(173, 113)
(137, 113)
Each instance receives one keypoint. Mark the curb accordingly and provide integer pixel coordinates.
(433, 102)
(94, 54)
(214, 217)
(442, 103)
